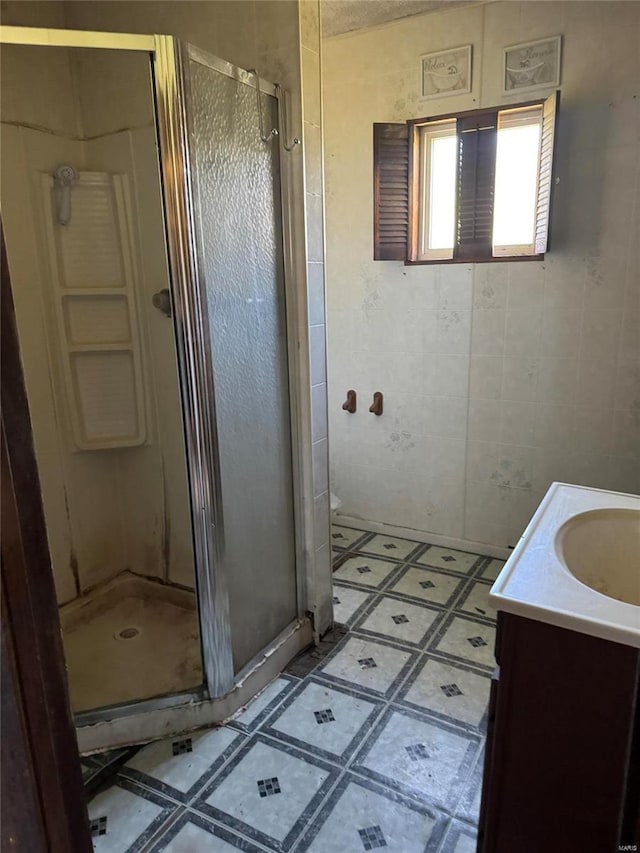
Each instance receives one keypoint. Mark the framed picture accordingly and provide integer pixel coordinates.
(446, 73)
(532, 65)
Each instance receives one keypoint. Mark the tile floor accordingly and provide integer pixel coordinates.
(380, 746)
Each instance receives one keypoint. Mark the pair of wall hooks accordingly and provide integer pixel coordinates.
(375, 408)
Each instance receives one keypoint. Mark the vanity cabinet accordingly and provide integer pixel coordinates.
(562, 764)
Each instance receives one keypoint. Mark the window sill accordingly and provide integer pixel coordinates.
(497, 260)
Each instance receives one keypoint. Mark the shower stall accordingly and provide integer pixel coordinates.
(146, 210)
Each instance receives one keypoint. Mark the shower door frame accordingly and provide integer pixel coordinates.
(223, 691)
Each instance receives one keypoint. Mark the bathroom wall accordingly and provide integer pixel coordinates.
(498, 378)
(38, 126)
(116, 107)
(281, 39)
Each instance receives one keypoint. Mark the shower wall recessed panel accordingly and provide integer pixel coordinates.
(241, 269)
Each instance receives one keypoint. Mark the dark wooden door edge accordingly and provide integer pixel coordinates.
(49, 787)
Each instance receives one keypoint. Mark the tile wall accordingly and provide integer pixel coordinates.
(498, 378)
(314, 202)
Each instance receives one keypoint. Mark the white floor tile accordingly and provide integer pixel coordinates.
(346, 601)
(460, 839)
(469, 805)
(467, 640)
(428, 585)
(492, 570)
(325, 718)
(450, 691)
(195, 754)
(420, 757)
(476, 602)
(253, 710)
(369, 664)
(288, 784)
(389, 825)
(128, 817)
(446, 558)
(194, 839)
(389, 546)
(364, 570)
(399, 620)
(344, 537)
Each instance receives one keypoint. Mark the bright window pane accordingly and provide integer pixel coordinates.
(442, 195)
(517, 159)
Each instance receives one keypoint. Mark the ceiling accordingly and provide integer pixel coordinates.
(343, 16)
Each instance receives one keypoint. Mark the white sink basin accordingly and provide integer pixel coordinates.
(601, 548)
(577, 565)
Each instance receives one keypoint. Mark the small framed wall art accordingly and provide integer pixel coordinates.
(531, 65)
(446, 73)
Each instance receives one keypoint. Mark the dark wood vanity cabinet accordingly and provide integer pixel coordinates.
(562, 765)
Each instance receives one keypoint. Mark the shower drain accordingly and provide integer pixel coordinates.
(128, 633)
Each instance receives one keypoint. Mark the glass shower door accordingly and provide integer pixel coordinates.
(236, 189)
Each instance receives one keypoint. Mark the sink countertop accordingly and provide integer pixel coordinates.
(535, 584)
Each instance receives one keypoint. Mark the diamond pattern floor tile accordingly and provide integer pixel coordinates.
(178, 767)
(345, 537)
(365, 570)
(368, 664)
(428, 585)
(450, 691)
(446, 558)
(389, 546)
(359, 817)
(419, 757)
(347, 602)
(125, 817)
(267, 791)
(475, 601)
(328, 721)
(466, 640)
(398, 620)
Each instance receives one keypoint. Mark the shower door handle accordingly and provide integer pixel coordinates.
(162, 301)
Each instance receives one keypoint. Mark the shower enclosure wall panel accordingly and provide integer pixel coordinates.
(236, 177)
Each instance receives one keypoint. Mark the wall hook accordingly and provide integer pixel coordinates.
(376, 407)
(349, 404)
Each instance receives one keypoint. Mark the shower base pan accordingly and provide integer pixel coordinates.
(128, 640)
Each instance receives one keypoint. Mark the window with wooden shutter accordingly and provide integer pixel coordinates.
(476, 181)
(391, 191)
(469, 187)
(545, 179)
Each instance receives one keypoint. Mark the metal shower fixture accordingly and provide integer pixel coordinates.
(64, 178)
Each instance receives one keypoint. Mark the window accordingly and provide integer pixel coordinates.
(474, 186)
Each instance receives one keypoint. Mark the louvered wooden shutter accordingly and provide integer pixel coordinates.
(477, 137)
(390, 191)
(545, 181)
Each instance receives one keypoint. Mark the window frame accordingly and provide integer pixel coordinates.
(416, 197)
(437, 129)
